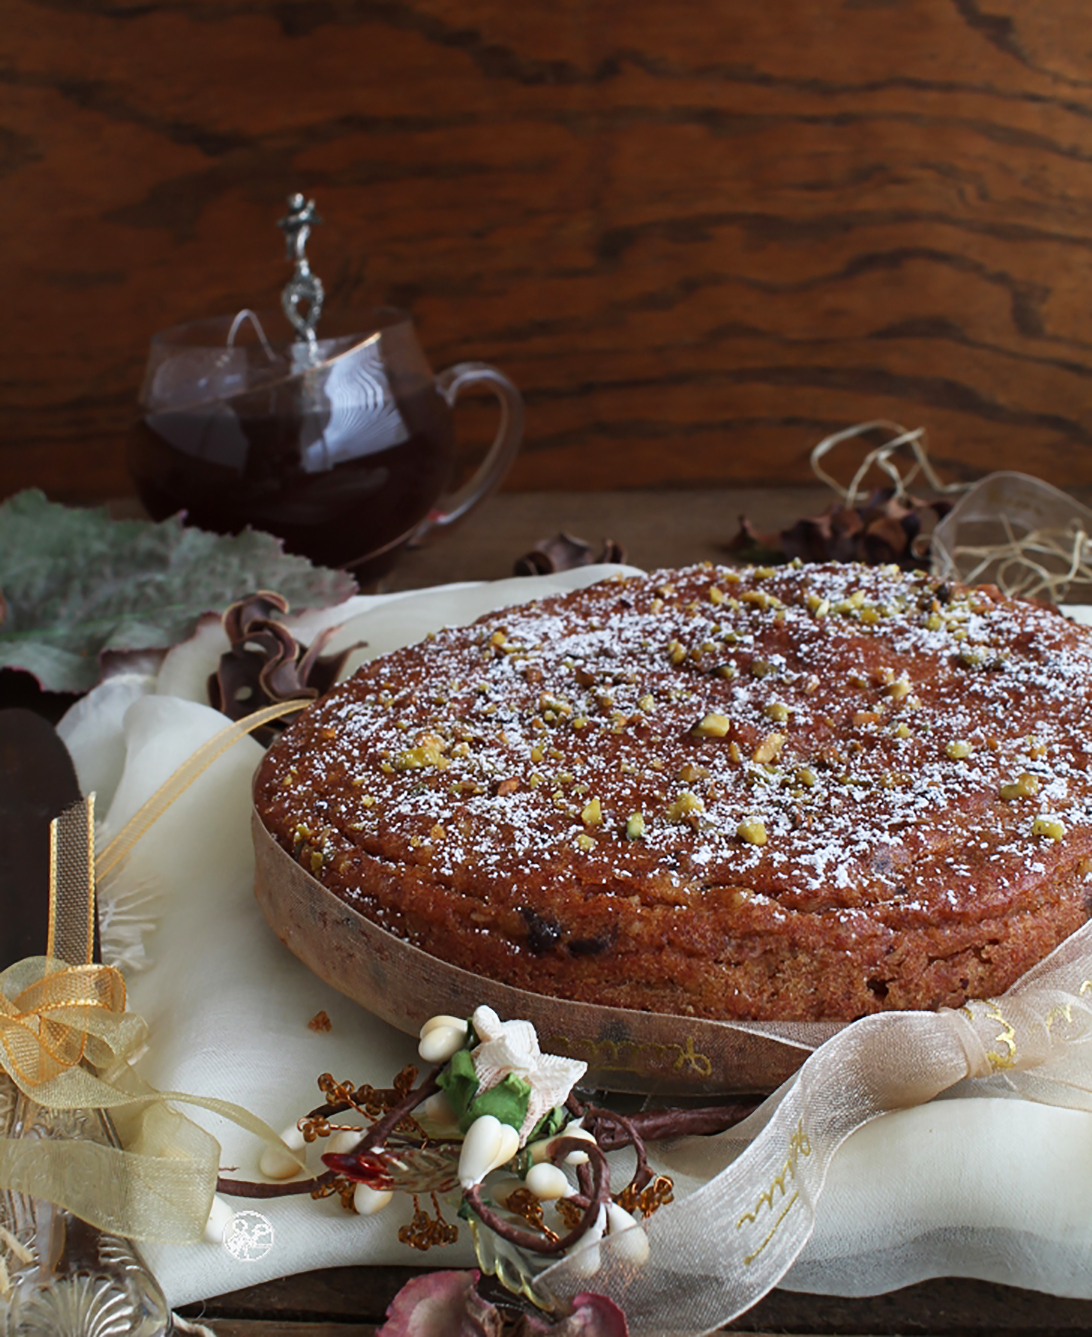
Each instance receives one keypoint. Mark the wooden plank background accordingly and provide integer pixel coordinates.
(698, 235)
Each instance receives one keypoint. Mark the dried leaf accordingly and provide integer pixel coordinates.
(77, 584)
(593, 1316)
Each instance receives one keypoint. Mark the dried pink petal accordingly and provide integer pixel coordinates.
(441, 1304)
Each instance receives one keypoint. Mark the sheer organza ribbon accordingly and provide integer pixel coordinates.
(718, 1251)
(66, 1042)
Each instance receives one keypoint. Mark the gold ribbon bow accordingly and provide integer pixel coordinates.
(66, 1042)
(54, 1018)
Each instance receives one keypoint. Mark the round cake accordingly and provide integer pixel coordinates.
(803, 793)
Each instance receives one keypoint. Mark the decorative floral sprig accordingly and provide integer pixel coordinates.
(515, 1110)
(495, 1130)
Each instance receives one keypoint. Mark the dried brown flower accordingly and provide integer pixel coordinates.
(881, 530)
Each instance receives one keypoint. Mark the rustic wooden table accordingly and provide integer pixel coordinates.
(656, 529)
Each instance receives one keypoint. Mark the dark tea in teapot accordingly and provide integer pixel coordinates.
(342, 447)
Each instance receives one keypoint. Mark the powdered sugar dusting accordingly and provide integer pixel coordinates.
(815, 740)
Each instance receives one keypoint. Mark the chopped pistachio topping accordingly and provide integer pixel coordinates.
(685, 804)
(428, 752)
(635, 826)
(712, 726)
(769, 749)
(1050, 827)
(592, 814)
(1024, 786)
(776, 711)
(959, 750)
(753, 831)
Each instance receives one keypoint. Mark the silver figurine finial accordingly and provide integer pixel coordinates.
(303, 286)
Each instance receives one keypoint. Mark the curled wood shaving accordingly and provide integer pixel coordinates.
(265, 665)
(565, 552)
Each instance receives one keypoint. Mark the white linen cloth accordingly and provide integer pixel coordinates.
(978, 1183)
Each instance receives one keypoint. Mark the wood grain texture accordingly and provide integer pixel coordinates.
(698, 236)
(938, 1308)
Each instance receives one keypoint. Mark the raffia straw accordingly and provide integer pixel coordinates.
(1018, 572)
(881, 458)
(176, 785)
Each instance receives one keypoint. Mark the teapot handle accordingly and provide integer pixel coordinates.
(501, 453)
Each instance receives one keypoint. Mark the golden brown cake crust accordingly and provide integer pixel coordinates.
(795, 794)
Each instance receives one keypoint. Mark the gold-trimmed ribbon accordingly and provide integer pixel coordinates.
(66, 1042)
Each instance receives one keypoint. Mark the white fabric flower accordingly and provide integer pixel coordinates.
(512, 1046)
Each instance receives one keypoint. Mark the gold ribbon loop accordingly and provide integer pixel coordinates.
(53, 1019)
(72, 884)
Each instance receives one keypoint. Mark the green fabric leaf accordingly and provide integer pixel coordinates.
(507, 1101)
(76, 583)
(459, 1083)
(550, 1124)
